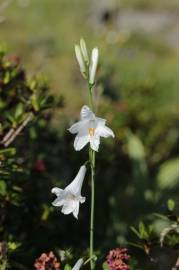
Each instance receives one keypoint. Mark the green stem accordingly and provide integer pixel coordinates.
(90, 96)
(92, 161)
(92, 165)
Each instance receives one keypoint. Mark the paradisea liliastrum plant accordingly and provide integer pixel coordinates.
(89, 129)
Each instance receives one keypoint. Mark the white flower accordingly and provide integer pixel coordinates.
(89, 130)
(93, 65)
(78, 264)
(70, 198)
(80, 59)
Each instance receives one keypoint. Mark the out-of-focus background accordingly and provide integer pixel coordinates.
(137, 91)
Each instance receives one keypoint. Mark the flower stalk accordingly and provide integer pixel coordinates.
(92, 159)
(92, 163)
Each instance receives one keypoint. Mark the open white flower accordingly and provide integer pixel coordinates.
(89, 130)
(78, 264)
(70, 197)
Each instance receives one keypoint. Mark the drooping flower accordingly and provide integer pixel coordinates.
(47, 261)
(89, 130)
(118, 259)
(93, 65)
(70, 197)
(78, 264)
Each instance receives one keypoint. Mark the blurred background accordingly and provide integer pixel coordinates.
(136, 91)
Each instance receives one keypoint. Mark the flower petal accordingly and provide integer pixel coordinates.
(58, 202)
(82, 199)
(57, 191)
(80, 142)
(76, 127)
(76, 210)
(74, 188)
(100, 121)
(94, 142)
(86, 113)
(69, 207)
(104, 131)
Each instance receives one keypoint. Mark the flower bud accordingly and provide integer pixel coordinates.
(80, 59)
(84, 50)
(93, 66)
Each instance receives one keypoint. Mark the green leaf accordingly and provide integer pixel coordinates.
(18, 111)
(135, 147)
(136, 153)
(2, 188)
(11, 151)
(105, 266)
(35, 102)
(67, 267)
(170, 205)
(135, 231)
(6, 78)
(143, 232)
(168, 176)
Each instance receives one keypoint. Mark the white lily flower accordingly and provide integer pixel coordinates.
(78, 264)
(80, 59)
(84, 50)
(93, 65)
(89, 130)
(70, 198)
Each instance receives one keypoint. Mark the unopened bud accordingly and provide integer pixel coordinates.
(93, 66)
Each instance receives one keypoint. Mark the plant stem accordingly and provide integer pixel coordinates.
(90, 96)
(92, 161)
(92, 165)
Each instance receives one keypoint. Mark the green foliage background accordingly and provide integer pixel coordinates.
(136, 173)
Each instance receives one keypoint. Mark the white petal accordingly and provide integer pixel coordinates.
(82, 199)
(100, 121)
(94, 142)
(94, 63)
(104, 131)
(61, 196)
(69, 207)
(75, 186)
(57, 191)
(78, 264)
(86, 113)
(80, 142)
(76, 210)
(58, 202)
(76, 127)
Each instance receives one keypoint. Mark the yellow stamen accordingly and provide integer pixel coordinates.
(91, 131)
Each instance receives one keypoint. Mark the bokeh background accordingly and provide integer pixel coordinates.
(136, 91)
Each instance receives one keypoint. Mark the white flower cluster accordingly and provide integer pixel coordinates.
(88, 129)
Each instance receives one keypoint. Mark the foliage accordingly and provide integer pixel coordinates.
(22, 101)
